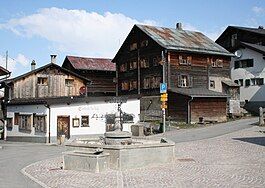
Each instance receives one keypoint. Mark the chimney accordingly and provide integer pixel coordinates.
(53, 59)
(260, 27)
(179, 26)
(33, 65)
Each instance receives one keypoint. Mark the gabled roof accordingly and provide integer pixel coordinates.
(3, 71)
(46, 66)
(181, 40)
(198, 92)
(84, 63)
(255, 47)
(229, 29)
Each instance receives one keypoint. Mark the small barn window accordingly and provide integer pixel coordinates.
(125, 85)
(84, 121)
(123, 67)
(185, 60)
(144, 63)
(133, 46)
(212, 84)
(217, 63)
(42, 80)
(133, 65)
(144, 43)
(69, 82)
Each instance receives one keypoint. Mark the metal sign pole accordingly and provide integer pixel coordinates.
(164, 81)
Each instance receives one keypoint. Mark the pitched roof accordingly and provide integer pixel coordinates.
(3, 71)
(255, 47)
(198, 92)
(84, 63)
(250, 29)
(230, 83)
(183, 40)
(44, 67)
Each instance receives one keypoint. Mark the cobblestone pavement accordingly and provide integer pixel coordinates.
(232, 160)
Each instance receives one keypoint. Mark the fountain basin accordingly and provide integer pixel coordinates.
(140, 153)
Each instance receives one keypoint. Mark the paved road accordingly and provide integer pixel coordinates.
(187, 135)
(14, 156)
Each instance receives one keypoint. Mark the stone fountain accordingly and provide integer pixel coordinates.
(117, 150)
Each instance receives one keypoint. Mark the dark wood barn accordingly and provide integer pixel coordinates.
(191, 61)
(100, 71)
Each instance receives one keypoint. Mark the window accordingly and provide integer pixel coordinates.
(133, 84)
(84, 121)
(125, 85)
(146, 83)
(244, 63)
(260, 81)
(144, 43)
(185, 60)
(133, 46)
(240, 82)
(25, 122)
(42, 80)
(69, 82)
(247, 82)
(144, 63)
(9, 123)
(152, 82)
(212, 84)
(217, 63)
(236, 81)
(133, 65)
(76, 122)
(39, 123)
(123, 67)
(156, 61)
(257, 81)
(184, 81)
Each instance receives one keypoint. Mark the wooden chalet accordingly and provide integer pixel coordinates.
(101, 72)
(194, 69)
(232, 37)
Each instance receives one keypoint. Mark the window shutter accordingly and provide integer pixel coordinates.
(236, 64)
(190, 81)
(179, 80)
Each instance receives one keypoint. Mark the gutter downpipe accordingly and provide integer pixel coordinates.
(49, 126)
(189, 113)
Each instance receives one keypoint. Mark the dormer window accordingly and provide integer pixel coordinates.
(42, 81)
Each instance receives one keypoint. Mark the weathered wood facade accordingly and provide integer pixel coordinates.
(101, 72)
(140, 69)
(46, 82)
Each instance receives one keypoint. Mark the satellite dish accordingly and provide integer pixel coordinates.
(82, 90)
(238, 53)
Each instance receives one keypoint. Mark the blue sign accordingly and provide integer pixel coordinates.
(163, 87)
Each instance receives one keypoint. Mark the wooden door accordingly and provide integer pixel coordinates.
(63, 126)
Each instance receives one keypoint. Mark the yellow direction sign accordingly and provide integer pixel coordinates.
(163, 97)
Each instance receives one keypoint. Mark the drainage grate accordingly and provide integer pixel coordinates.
(186, 160)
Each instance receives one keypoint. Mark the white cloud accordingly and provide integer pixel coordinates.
(14, 62)
(76, 31)
(258, 10)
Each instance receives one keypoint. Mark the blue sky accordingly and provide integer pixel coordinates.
(35, 29)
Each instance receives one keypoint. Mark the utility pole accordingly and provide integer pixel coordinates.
(164, 83)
